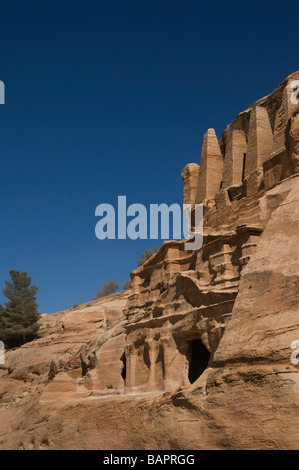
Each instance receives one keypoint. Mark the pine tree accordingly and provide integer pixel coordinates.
(19, 319)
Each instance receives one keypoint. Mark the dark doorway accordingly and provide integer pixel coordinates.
(124, 370)
(244, 166)
(199, 359)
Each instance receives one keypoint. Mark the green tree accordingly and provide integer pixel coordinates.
(19, 319)
(108, 288)
(147, 254)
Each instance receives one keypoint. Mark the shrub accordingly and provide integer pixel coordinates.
(109, 287)
(127, 284)
(144, 256)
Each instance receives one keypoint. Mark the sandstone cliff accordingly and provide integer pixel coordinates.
(196, 355)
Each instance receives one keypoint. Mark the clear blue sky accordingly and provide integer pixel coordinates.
(108, 98)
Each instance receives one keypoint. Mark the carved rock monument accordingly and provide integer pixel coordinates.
(197, 354)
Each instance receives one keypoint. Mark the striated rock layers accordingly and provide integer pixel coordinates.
(196, 355)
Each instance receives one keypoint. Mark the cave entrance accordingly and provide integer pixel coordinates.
(124, 369)
(244, 166)
(199, 359)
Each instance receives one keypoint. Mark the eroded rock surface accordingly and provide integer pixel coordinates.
(196, 355)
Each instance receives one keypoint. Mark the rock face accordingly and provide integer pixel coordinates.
(201, 341)
(190, 177)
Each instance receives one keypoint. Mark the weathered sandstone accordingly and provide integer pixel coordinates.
(196, 355)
